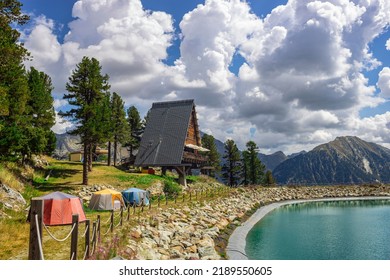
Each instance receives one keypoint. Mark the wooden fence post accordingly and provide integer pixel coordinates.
(128, 212)
(142, 204)
(183, 197)
(112, 221)
(150, 204)
(94, 234)
(98, 228)
(166, 199)
(75, 232)
(34, 252)
(87, 238)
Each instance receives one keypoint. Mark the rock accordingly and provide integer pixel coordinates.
(206, 242)
(136, 233)
(208, 253)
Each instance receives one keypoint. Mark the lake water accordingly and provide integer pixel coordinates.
(332, 230)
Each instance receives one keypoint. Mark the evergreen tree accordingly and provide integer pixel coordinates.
(102, 127)
(14, 92)
(245, 168)
(40, 113)
(269, 178)
(119, 124)
(88, 90)
(51, 143)
(208, 142)
(135, 128)
(256, 168)
(231, 168)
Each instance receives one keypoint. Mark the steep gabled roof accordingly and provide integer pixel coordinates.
(163, 141)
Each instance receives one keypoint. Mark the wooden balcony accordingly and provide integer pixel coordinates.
(194, 158)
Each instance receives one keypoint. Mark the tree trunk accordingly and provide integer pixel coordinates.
(109, 154)
(90, 158)
(115, 151)
(85, 164)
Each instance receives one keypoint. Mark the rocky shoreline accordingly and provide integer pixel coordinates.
(201, 230)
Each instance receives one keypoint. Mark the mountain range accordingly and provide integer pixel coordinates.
(346, 160)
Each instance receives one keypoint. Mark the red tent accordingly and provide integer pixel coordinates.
(59, 207)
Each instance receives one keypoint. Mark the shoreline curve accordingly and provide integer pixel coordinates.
(235, 249)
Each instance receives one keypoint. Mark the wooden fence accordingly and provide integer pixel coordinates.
(93, 237)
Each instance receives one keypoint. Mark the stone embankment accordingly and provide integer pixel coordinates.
(190, 232)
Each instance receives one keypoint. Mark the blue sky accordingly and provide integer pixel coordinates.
(287, 74)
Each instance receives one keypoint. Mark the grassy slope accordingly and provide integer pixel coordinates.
(64, 176)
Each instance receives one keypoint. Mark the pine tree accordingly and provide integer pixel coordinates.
(208, 142)
(14, 92)
(135, 128)
(269, 178)
(40, 112)
(119, 124)
(231, 168)
(88, 90)
(245, 168)
(256, 168)
(102, 127)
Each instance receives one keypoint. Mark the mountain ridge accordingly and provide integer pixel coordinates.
(345, 160)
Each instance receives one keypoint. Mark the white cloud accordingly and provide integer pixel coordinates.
(58, 103)
(384, 82)
(61, 125)
(302, 82)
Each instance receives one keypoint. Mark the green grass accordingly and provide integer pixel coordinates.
(66, 176)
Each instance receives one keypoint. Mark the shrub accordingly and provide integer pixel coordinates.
(171, 189)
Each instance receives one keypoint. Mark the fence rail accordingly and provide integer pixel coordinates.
(92, 239)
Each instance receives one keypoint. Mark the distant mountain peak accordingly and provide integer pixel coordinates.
(346, 159)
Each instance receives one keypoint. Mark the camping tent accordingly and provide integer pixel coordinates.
(135, 196)
(58, 208)
(106, 200)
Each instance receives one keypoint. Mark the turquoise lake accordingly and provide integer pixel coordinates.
(332, 230)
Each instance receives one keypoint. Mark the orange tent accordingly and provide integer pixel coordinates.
(59, 207)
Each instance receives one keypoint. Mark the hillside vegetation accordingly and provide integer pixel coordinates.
(51, 175)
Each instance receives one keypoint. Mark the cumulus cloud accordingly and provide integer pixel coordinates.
(129, 41)
(384, 82)
(61, 126)
(302, 81)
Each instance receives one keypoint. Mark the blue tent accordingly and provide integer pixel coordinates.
(134, 196)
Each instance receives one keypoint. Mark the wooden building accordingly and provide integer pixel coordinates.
(79, 155)
(172, 139)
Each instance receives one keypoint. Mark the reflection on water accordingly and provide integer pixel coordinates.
(329, 230)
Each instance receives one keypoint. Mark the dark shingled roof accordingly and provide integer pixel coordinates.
(163, 141)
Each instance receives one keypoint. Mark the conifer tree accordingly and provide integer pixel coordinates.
(231, 168)
(119, 124)
(256, 168)
(135, 129)
(88, 90)
(208, 142)
(269, 178)
(40, 111)
(14, 92)
(245, 168)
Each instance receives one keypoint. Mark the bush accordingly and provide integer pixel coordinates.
(171, 189)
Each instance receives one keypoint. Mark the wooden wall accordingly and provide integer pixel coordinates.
(193, 130)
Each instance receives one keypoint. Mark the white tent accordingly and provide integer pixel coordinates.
(106, 200)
